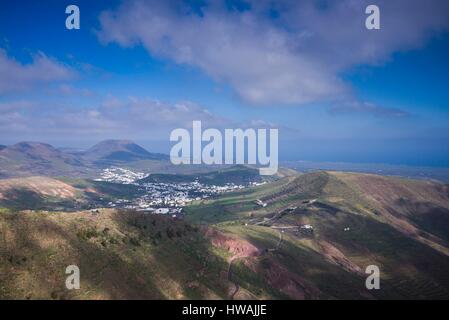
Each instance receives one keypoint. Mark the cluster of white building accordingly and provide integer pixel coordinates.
(120, 175)
(159, 197)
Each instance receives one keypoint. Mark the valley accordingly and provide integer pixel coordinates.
(224, 233)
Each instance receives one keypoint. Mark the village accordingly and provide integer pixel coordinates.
(161, 197)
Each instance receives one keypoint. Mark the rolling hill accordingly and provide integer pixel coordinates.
(357, 219)
(63, 194)
(236, 174)
(234, 248)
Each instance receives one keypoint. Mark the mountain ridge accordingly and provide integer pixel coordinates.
(120, 150)
(36, 158)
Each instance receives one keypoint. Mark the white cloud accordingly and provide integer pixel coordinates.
(15, 76)
(133, 117)
(240, 49)
(295, 58)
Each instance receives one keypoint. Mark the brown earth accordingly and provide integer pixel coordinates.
(238, 248)
(43, 186)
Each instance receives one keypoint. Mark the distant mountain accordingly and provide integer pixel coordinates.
(36, 151)
(27, 158)
(36, 158)
(111, 151)
(2, 147)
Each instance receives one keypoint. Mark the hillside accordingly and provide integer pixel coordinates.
(233, 248)
(44, 193)
(32, 192)
(357, 219)
(120, 255)
(236, 174)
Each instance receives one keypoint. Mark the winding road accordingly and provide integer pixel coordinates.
(278, 245)
(236, 285)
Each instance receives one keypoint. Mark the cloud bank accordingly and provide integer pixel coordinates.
(16, 77)
(133, 118)
(287, 52)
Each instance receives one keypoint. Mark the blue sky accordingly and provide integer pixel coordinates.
(138, 69)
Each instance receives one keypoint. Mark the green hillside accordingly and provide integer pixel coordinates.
(120, 255)
(357, 220)
(235, 174)
(233, 247)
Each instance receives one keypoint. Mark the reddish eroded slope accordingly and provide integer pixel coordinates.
(238, 248)
(276, 275)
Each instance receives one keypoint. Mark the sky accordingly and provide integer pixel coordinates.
(139, 69)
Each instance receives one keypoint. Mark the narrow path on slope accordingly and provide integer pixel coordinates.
(276, 248)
